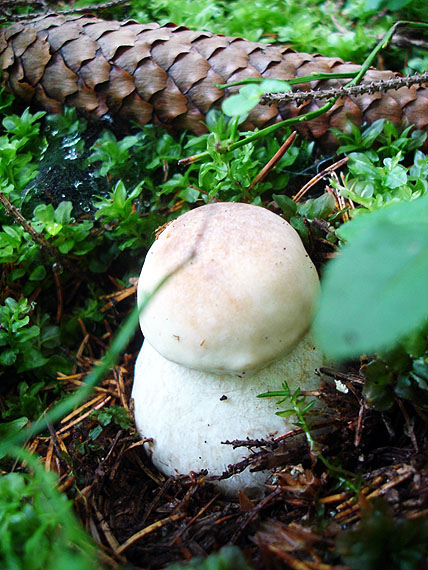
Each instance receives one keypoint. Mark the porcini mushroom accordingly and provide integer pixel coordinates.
(231, 323)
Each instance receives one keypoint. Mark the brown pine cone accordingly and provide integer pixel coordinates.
(167, 74)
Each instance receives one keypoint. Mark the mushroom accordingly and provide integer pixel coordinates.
(231, 323)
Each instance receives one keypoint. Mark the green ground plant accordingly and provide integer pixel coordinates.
(38, 529)
(380, 539)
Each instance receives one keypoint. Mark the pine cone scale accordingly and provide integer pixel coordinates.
(167, 74)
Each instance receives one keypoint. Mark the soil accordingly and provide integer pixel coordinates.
(144, 519)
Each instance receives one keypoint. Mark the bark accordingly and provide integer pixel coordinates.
(127, 72)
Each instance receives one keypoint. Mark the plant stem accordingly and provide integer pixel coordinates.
(315, 452)
(292, 81)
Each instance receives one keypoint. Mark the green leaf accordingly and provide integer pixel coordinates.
(360, 164)
(19, 323)
(8, 429)
(189, 195)
(25, 335)
(286, 413)
(397, 175)
(373, 131)
(8, 357)
(375, 291)
(287, 205)
(63, 213)
(320, 207)
(38, 273)
(31, 359)
(50, 336)
(242, 103)
(274, 86)
(249, 95)
(17, 273)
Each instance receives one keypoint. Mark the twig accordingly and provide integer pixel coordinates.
(16, 214)
(410, 430)
(383, 85)
(38, 238)
(100, 405)
(227, 147)
(148, 530)
(319, 177)
(94, 8)
(273, 161)
(193, 519)
(359, 426)
(274, 496)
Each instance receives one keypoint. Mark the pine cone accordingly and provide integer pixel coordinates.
(167, 74)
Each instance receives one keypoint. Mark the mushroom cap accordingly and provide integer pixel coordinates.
(243, 297)
(188, 413)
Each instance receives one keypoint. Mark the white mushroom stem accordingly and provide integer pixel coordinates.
(189, 413)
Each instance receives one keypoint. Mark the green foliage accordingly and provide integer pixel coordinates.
(401, 372)
(154, 154)
(227, 558)
(387, 139)
(107, 416)
(305, 24)
(17, 247)
(11, 429)
(129, 228)
(27, 402)
(376, 174)
(299, 408)
(20, 144)
(18, 338)
(374, 293)
(112, 154)
(29, 344)
(380, 541)
(228, 175)
(60, 228)
(37, 527)
(113, 415)
(62, 169)
(138, 185)
(320, 208)
(296, 399)
(376, 5)
(149, 150)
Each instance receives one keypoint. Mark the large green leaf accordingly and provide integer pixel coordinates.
(376, 290)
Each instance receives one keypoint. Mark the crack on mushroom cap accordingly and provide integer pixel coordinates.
(247, 291)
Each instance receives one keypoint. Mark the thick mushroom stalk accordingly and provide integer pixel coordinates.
(231, 323)
(188, 413)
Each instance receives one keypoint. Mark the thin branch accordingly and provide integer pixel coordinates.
(93, 8)
(383, 86)
(38, 238)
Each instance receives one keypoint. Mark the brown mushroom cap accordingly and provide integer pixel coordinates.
(243, 298)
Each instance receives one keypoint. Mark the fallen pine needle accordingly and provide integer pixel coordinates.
(148, 530)
(84, 416)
